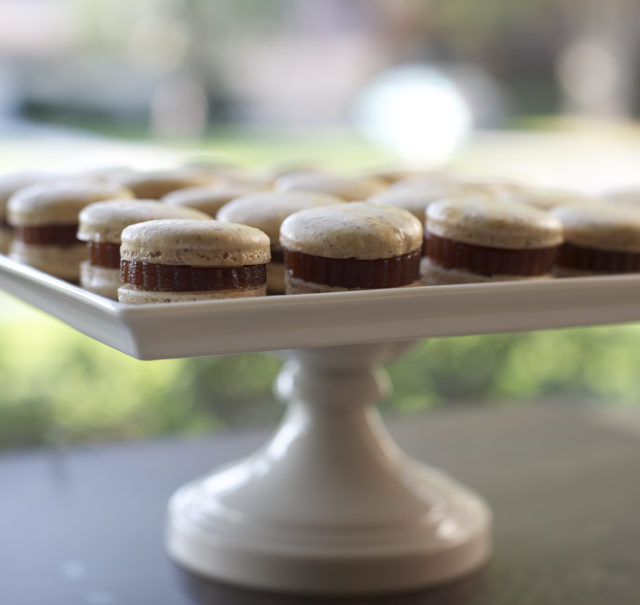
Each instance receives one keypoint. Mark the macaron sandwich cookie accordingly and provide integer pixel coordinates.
(478, 239)
(356, 246)
(208, 198)
(154, 185)
(45, 220)
(599, 240)
(176, 260)
(349, 188)
(266, 211)
(101, 226)
(9, 184)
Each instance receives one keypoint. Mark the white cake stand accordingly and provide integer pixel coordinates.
(329, 504)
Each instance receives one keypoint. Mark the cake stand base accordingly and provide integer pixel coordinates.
(330, 505)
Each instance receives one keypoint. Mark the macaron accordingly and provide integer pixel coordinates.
(209, 198)
(349, 188)
(101, 226)
(357, 246)
(177, 260)
(599, 240)
(45, 220)
(154, 185)
(478, 239)
(545, 199)
(417, 198)
(266, 211)
(623, 197)
(9, 184)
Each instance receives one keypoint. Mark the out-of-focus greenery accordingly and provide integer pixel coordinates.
(59, 387)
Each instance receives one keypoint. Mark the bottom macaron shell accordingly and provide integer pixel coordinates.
(435, 275)
(100, 280)
(275, 278)
(6, 237)
(129, 295)
(60, 261)
(299, 286)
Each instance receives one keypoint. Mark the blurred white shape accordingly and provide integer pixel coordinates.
(179, 107)
(588, 71)
(417, 111)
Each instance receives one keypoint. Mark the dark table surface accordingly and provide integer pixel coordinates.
(85, 526)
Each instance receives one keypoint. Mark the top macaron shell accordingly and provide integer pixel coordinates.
(267, 210)
(59, 202)
(350, 188)
(613, 228)
(11, 183)
(356, 230)
(482, 221)
(415, 199)
(105, 221)
(194, 242)
(208, 198)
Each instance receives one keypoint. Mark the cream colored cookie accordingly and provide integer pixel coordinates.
(58, 202)
(482, 221)
(105, 221)
(435, 275)
(59, 261)
(208, 199)
(350, 188)
(545, 199)
(154, 185)
(294, 285)
(101, 280)
(613, 228)
(356, 230)
(408, 177)
(196, 243)
(129, 295)
(10, 183)
(267, 210)
(415, 199)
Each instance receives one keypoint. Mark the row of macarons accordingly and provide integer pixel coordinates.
(471, 235)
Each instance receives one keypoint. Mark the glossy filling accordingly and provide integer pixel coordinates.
(354, 272)
(185, 278)
(582, 258)
(483, 260)
(104, 255)
(48, 235)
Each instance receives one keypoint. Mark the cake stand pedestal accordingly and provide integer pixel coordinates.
(330, 505)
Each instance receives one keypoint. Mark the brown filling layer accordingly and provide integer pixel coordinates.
(277, 256)
(48, 235)
(483, 260)
(4, 224)
(354, 272)
(104, 255)
(582, 258)
(185, 278)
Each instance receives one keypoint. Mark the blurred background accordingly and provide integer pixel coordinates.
(545, 91)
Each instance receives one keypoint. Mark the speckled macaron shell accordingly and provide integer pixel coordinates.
(415, 199)
(130, 295)
(267, 210)
(105, 221)
(350, 188)
(545, 199)
(196, 243)
(59, 202)
(482, 221)
(357, 230)
(155, 185)
(613, 228)
(10, 183)
(208, 199)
